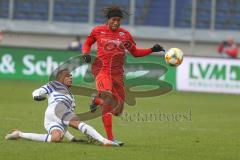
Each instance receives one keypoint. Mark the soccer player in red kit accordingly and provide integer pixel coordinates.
(113, 43)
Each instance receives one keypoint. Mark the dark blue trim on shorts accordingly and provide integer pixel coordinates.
(56, 127)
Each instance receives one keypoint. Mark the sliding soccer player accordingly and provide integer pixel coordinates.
(59, 113)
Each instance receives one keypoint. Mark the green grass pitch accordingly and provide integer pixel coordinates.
(210, 132)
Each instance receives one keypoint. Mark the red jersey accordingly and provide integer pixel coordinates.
(112, 47)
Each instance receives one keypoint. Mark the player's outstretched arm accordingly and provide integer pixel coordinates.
(86, 48)
(39, 94)
(140, 52)
(130, 45)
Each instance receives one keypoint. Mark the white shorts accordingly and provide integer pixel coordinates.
(57, 116)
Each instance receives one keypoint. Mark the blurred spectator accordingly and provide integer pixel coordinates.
(228, 49)
(75, 45)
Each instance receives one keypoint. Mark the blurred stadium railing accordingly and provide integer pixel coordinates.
(169, 20)
(211, 14)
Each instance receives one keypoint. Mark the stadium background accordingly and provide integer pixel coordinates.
(52, 24)
(43, 29)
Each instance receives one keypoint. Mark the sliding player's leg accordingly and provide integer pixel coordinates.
(55, 130)
(55, 136)
(16, 134)
(86, 129)
(65, 118)
(51, 123)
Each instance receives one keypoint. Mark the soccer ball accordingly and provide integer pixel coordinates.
(174, 57)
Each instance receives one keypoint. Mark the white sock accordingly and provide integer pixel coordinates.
(36, 137)
(68, 135)
(86, 129)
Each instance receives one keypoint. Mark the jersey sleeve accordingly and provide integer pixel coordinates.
(90, 40)
(43, 90)
(130, 45)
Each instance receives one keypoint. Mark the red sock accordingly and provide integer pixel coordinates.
(107, 122)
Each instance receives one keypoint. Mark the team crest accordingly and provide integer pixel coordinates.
(121, 33)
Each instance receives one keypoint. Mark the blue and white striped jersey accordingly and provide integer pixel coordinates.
(56, 92)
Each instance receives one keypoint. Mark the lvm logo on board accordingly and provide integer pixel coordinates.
(214, 71)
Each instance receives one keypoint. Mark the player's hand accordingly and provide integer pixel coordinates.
(87, 58)
(39, 98)
(93, 108)
(157, 48)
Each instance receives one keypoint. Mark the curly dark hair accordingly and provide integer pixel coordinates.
(114, 11)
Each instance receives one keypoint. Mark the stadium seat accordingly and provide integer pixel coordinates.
(203, 15)
(125, 4)
(71, 11)
(31, 10)
(158, 13)
(227, 15)
(147, 12)
(183, 12)
(152, 13)
(141, 11)
(4, 7)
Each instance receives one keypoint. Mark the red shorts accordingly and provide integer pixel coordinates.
(112, 83)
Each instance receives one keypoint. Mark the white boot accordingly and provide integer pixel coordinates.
(107, 142)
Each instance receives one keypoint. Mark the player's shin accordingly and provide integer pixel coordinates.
(86, 129)
(36, 137)
(107, 122)
(83, 127)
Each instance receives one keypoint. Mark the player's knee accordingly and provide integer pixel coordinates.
(74, 122)
(106, 96)
(118, 110)
(56, 139)
(116, 113)
(56, 136)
